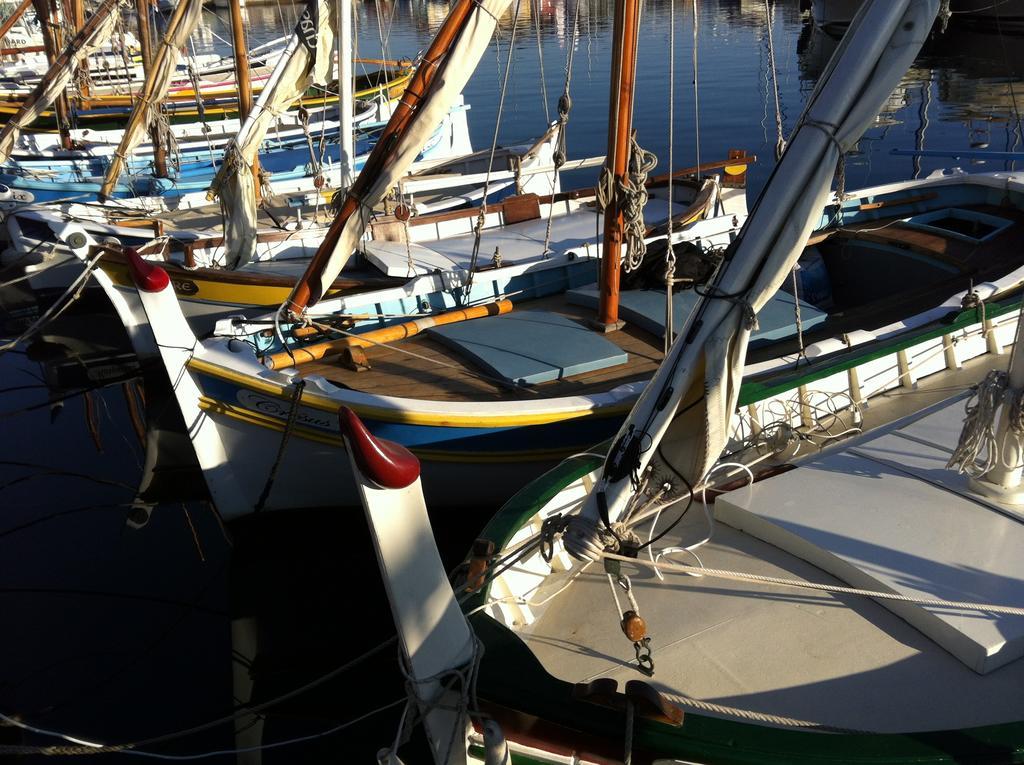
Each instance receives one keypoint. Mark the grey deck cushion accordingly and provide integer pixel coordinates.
(530, 347)
(646, 309)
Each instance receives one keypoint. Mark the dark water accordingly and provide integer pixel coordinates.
(117, 613)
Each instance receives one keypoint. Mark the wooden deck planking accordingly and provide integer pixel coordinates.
(394, 373)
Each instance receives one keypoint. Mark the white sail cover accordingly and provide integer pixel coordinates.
(453, 72)
(54, 82)
(306, 61)
(682, 419)
(165, 61)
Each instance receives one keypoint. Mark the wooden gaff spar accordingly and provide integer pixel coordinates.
(185, 18)
(393, 152)
(11, 20)
(146, 49)
(93, 34)
(46, 10)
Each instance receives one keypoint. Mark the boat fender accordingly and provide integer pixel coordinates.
(495, 746)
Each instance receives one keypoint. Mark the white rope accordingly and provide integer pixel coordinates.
(747, 714)
(978, 436)
(62, 303)
(738, 576)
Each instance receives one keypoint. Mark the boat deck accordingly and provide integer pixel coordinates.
(839, 660)
(438, 374)
(422, 367)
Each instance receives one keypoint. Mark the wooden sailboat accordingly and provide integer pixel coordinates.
(743, 647)
(499, 390)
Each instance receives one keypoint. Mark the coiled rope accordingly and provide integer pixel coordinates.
(629, 193)
(978, 436)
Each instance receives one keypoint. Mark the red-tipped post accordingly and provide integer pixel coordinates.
(147, 277)
(387, 464)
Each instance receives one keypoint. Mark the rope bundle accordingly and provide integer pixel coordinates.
(630, 195)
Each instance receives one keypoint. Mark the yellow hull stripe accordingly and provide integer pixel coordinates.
(394, 89)
(249, 417)
(475, 420)
(213, 291)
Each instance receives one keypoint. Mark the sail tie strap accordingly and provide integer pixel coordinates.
(830, 132)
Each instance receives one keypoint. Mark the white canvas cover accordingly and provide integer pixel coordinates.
(57, 78)
(306, 61)
(165, 61)
(453, 72)
(683, 415)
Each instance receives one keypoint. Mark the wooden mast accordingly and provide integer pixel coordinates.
(161, 65)
(417, 89)
(620, 125)
(77, 9)
(11, 20)
(242, 78)
(52, 44)
(146, 43)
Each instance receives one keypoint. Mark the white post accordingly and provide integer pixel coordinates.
(433, 632)
(345, 104)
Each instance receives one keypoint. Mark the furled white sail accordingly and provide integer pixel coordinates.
(305, 62)
(89, 39)
(680, 423)
(390, 160)
(146, 110)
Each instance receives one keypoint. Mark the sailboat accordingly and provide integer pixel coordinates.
(746, 633)
(443, 364)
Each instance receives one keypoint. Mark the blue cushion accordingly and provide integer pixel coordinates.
(530, 347)
(646, 309)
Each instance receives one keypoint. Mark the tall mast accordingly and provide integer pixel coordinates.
(77, 8)
(345, 92)
(53, 44)
(146, 43)
(620, 126)
(242, 78)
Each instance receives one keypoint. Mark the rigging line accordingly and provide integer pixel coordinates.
(64, 302)
(535, 12)
(240, 712)
(780, 139)
(494, 145)
(739, 576)
(564, 106)
(1010, 73)
(696, 101)
(670, 254)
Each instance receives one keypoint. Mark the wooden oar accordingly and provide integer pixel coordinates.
(385, 335)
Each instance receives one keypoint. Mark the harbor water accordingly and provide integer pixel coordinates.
(120, 600)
